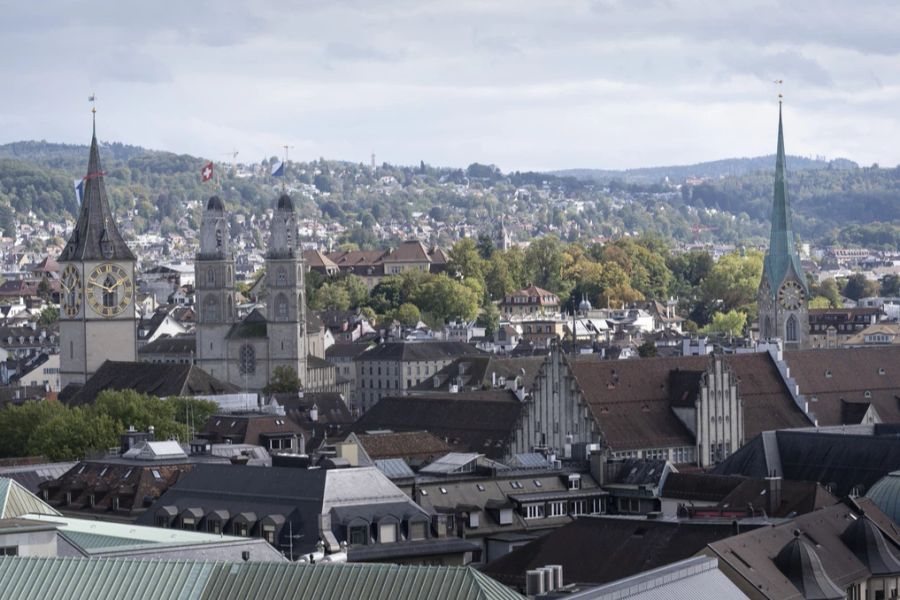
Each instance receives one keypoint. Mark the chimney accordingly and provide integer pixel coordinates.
(534, 583)
(314, 413)
(774, 493)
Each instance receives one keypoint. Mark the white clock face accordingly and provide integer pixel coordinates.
(71, 291)
(791, 295)
(109, 290)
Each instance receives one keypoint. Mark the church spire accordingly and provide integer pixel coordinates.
(782, 254)
(95, 236)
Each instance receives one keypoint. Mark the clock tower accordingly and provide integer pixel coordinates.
(97, 316)
(783, 294)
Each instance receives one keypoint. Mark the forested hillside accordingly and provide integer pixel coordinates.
(833, 202)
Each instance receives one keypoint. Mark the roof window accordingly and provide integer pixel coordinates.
(828, 373)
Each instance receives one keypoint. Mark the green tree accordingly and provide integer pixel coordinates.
(128, 408)
(859, 287)
(647, 349)
(890, 285)
(544, 262)
(331, 296)
(443, 298)
(408, 314)
(819, 302)
(485, 246)
(18, 423)
(730, 323)
(48, 316)
(489, 319)
(465, 261)
(733, 281)
(71, 434)
(284, 381)
(828, 289)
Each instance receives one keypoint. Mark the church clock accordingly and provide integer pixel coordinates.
(71, 288)
(109, 290)
(791, 295)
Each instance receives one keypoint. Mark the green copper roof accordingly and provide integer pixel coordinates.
(782, 255)
(16, 501)
(26, 578)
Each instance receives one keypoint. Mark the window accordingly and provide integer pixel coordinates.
(210, 276)
(417, 530)
(790, 329)
(156, 474)
(629, 505)
(9, 550)
(247, 360)
(240, 528)
(387, 533)
(214, 526)
(579, 507)
(574, 482)
(557, 509)
(281, 306)
(359, 535)
(534, 511)
(479, 487)
(282, 277)
(162, 521)
(474, 519)
(269, 533)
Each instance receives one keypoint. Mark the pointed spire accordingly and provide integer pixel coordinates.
(782, 254)
(95, 236)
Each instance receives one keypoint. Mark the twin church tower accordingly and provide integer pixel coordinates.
(97, 308)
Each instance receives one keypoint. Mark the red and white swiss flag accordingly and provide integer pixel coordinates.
(207, 171)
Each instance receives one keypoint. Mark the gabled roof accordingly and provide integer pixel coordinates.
(409, 445)
(16, 501)
(408, 251)
(826, 377)
(95, 236)
(480, 422)
(157, 379)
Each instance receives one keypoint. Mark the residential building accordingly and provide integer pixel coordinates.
(832, 327)
(530, 300)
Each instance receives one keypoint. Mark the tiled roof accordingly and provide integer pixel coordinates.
(419, 351)
(419, 445)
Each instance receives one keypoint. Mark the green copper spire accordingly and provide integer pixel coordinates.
(782, 255)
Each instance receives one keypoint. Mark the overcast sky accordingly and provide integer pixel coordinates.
(522, 84)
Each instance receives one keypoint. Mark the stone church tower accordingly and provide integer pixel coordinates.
(97, 316)
(783, 294)
(286, 293)
(214, 284)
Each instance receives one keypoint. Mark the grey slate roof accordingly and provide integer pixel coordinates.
(419, 351)
(95, 236)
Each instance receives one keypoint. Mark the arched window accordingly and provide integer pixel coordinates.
(281, 306)
(210, 309)
(109, 293)
(248, 360)
(210, 276)
(790, 329)
(290, 233)
(230, 313)
(218, 238)
(282, 276)
(767, 328)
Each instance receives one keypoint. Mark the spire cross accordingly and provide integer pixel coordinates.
(284, 177)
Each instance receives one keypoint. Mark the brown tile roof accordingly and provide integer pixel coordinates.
(797, 497)
(354, 258)
(632, 400)
(826, 377)
(408, 251)
(246, 429)
(316, 258)
(409, 445)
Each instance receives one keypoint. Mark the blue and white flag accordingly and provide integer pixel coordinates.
(79, 190)
(278, 170)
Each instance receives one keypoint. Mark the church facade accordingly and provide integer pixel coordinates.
(97, 314)
(783, 294)
(247, 351)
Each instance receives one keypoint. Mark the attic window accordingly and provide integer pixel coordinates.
(424, 492)
(81, 470)
(828, 373)
(867, 394)
(537, 483)
(156, 474)
(443, 490)
(233, 423)
(127, 473)
(103, 471)
(218, 422)
(479, 487)
(881, 370)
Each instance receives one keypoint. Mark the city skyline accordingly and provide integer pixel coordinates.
(586, 85)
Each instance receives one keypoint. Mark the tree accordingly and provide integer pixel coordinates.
(465, 261)
(730, 323)
(489, 319)
(71, 434)
(647, 349)
(485, 246)
(284, 381)
(859, 287)
(408, 314)
(44, 290)
(828, 289)
(544, 261)
(443, 298)
(890, 285)
(733, 281)
(819, 302)
(48, 316)
(331, 296)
